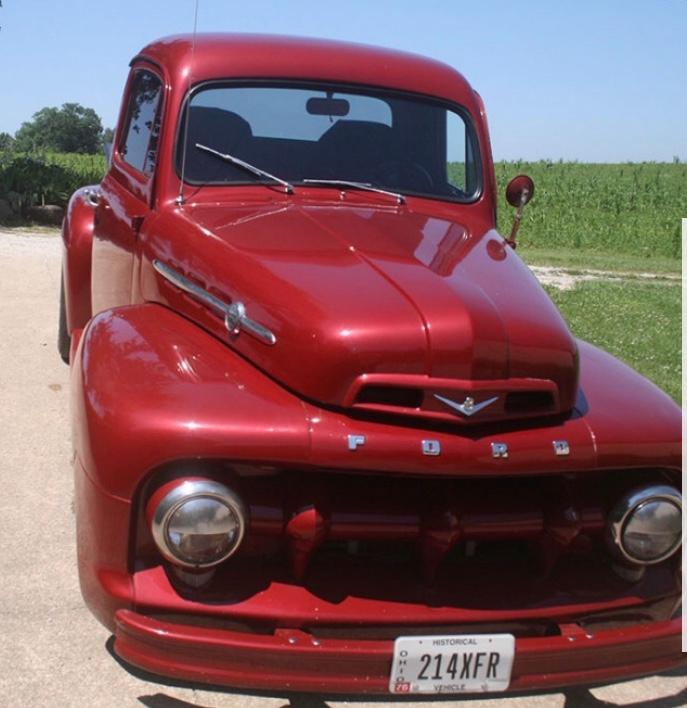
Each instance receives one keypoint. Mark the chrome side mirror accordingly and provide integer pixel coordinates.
(518, 192)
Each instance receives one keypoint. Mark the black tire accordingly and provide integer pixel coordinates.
(64, 341)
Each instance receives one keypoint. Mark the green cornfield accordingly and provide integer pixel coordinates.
(47, 178)
(89, 166)
(632, 208)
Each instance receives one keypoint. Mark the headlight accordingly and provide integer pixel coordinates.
(645, 527)
(198, 523)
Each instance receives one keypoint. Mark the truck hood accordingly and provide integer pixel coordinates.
(382, 308)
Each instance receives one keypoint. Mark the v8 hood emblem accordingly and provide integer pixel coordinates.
(468, 407)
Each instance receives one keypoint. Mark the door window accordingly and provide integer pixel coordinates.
(140, 136)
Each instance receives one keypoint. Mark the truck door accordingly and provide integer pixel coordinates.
(126, 191)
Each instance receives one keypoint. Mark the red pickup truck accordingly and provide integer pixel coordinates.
(330, 433)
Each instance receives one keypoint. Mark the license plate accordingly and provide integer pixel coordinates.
(452, 664)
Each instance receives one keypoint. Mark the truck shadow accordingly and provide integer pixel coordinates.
(583, 698)
(574, 698)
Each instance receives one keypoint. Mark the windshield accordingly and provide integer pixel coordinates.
(321, 134)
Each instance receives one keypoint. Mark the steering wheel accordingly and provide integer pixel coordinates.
(404, 174)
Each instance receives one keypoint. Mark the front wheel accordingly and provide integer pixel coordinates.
(64, 341)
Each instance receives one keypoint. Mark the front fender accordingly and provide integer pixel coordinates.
(633, 422)
(150, 387)
(77, 240)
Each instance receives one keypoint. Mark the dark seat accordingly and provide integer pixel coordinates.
(354, 150)
(220, 130)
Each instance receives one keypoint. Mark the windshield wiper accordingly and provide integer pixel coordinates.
(356, 185)
(288, 187)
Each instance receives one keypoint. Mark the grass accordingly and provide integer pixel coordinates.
(637, 322)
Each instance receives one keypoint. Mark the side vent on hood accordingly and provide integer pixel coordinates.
(390, 396)
(524, 402)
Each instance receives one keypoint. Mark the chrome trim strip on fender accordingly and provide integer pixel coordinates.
(235, 318)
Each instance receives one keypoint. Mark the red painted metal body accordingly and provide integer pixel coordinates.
(77, 238)
(348, 548)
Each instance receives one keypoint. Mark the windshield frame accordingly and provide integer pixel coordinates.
(321, 84)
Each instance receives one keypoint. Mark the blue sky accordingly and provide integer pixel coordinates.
(601, 81)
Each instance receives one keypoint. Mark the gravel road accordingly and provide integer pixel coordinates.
(52, 652)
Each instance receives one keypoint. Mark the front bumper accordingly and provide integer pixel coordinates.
(293, 660)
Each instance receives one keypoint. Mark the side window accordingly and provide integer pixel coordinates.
(461, 160)
(139, 139)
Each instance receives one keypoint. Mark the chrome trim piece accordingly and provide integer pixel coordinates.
(355, 441)
(193, 489)
(468, 407)
(621, 512)
(499, 450)
(561, 447)
(195, 580)
(235, 318)
(431, 448)
(629, 573)
(92, 196)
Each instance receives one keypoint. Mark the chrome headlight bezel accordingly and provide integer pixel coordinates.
(181, 494)
(623, 512)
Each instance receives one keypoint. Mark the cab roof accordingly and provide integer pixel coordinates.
(245, 56)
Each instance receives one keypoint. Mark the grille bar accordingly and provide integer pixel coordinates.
(433, 516)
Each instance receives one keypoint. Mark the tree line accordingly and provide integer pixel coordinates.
(70, 128)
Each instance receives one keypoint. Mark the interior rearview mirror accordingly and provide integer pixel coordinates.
(328, 106)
